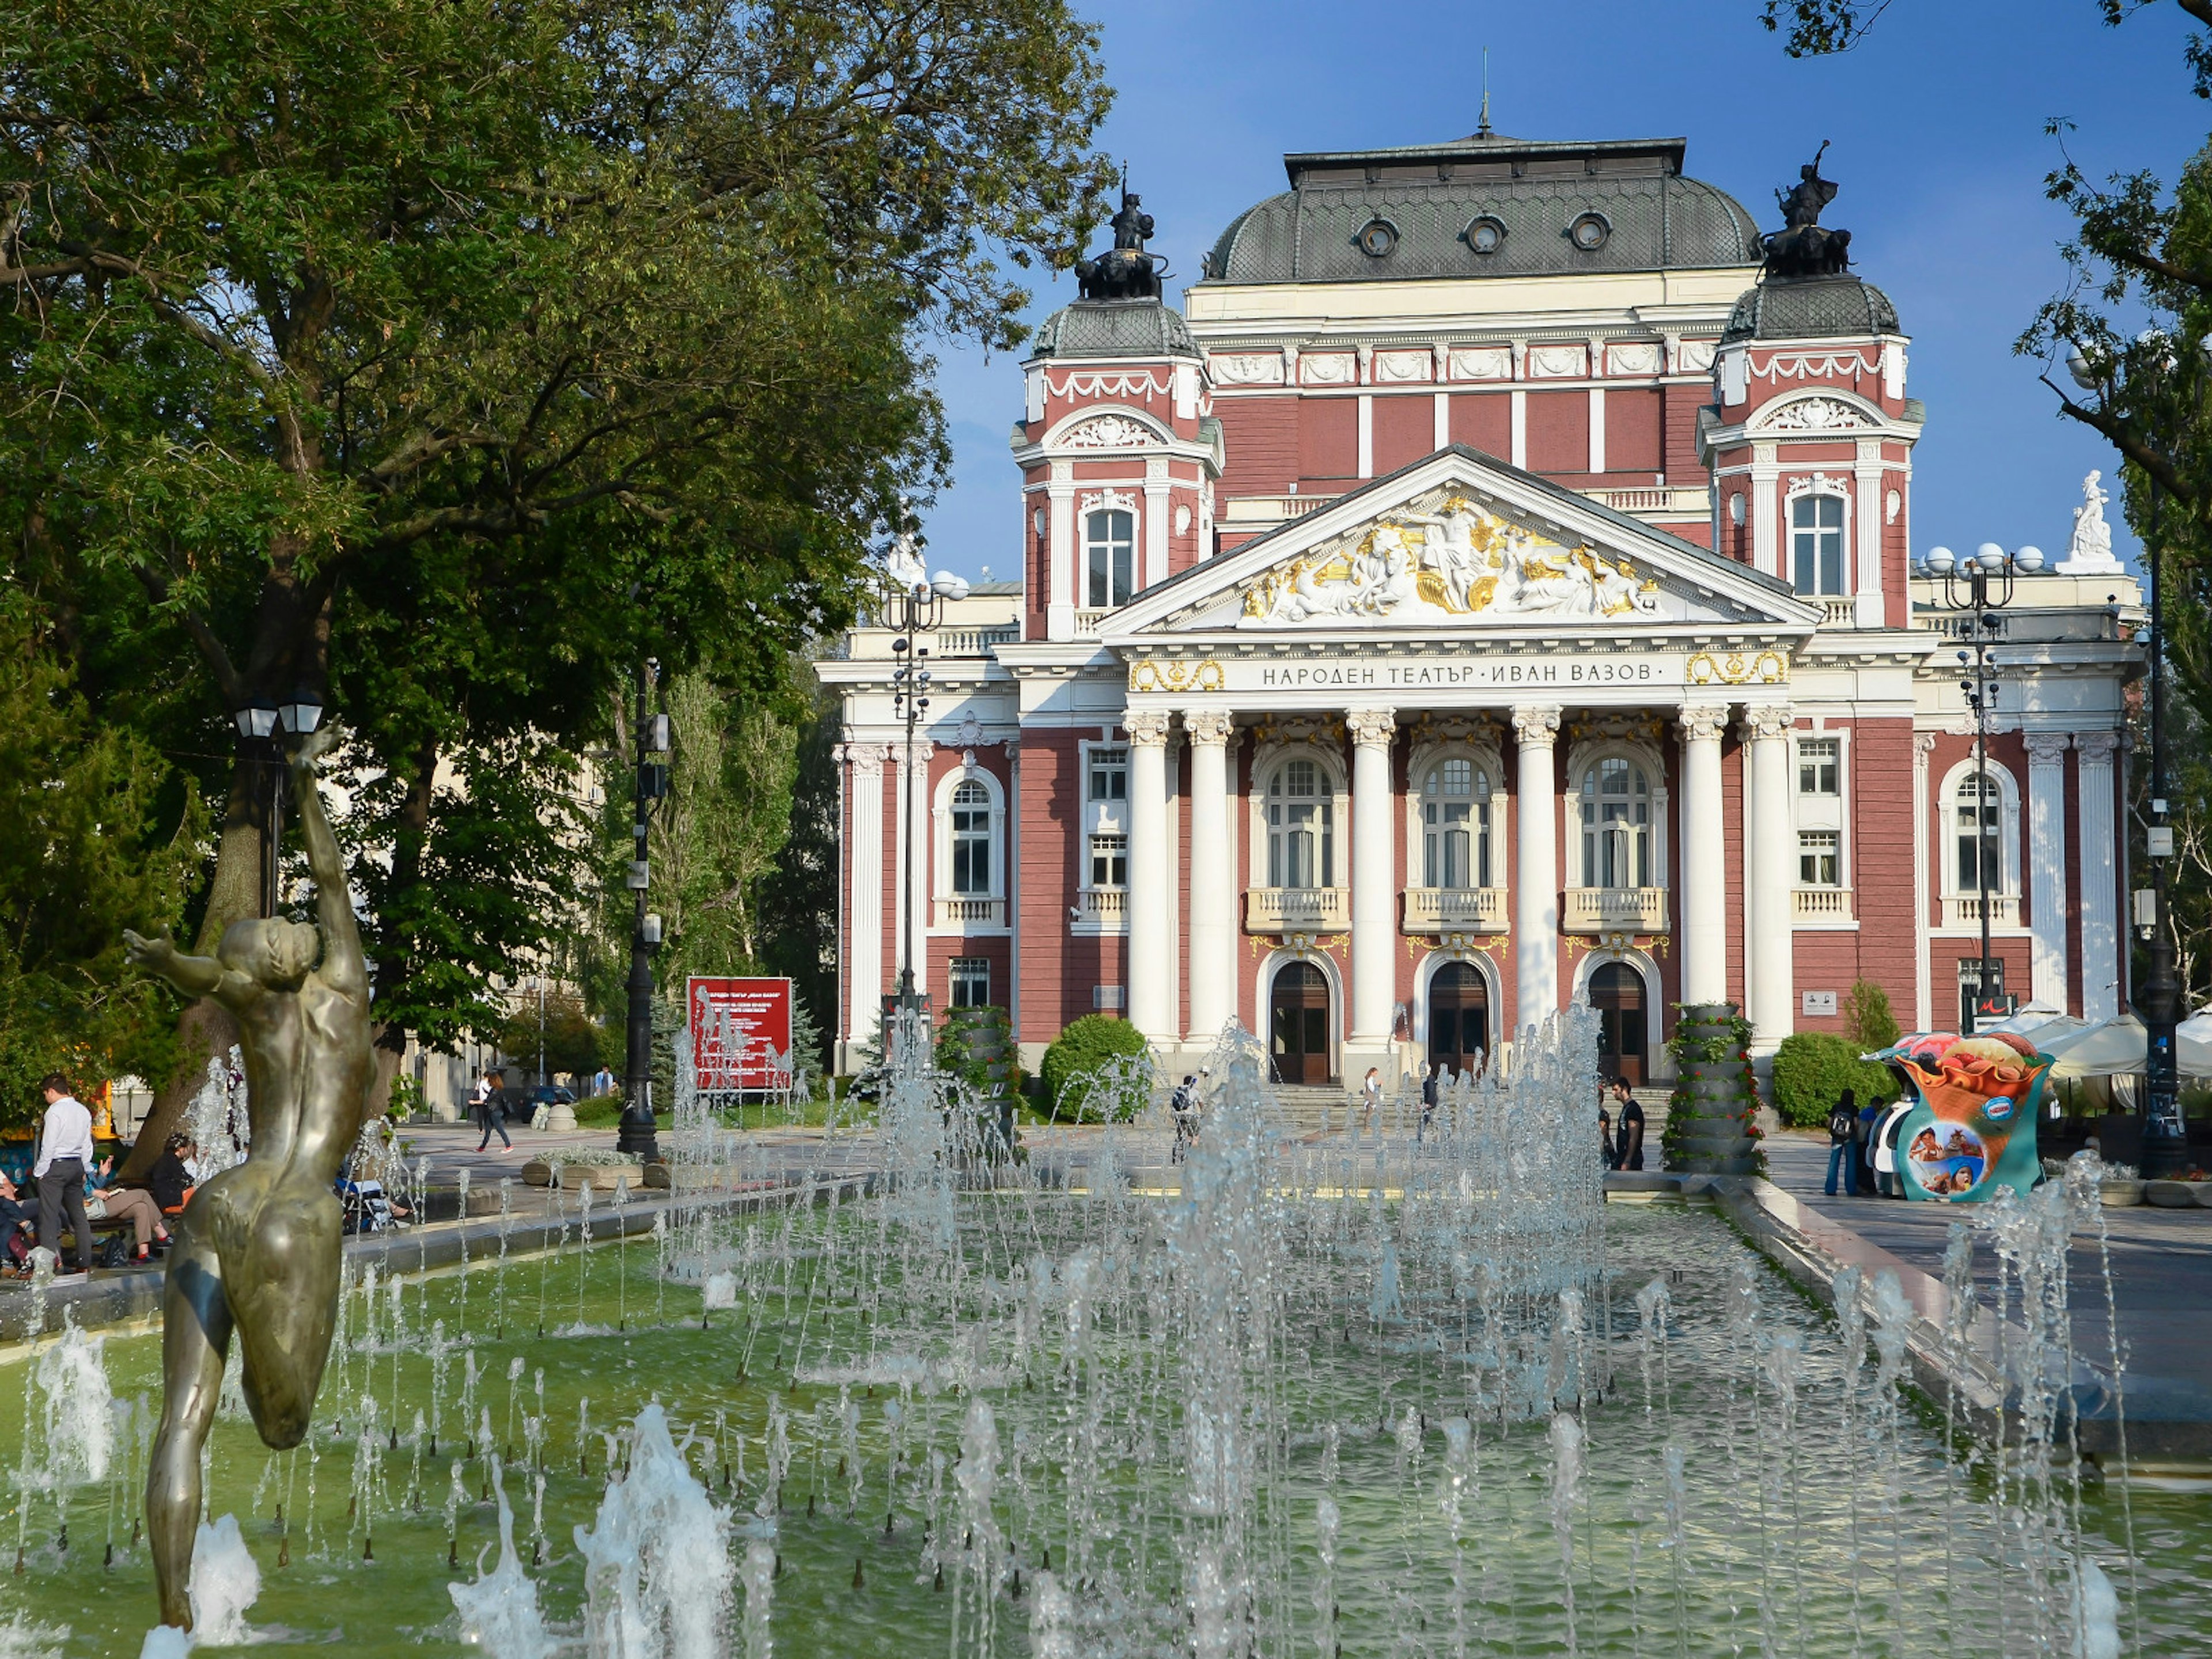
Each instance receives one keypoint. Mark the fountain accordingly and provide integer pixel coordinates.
(1422, 1396)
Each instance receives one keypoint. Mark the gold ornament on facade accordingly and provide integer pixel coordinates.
(1146, 675)
(1737, 668)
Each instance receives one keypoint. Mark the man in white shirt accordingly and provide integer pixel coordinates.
(64, 1154)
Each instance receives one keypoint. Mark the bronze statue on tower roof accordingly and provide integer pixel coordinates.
(1125, 271)
(1803, 246)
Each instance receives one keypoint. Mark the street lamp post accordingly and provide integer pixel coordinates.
(636, 1132)
(912, 609)
(2165, 1150)
(264, 726)
(1979, 587)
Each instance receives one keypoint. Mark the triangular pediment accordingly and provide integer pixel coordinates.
(1465, 544)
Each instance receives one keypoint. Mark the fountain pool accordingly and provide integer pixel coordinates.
(1321, 1400)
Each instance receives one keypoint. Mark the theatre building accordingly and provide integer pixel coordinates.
(1496, 585)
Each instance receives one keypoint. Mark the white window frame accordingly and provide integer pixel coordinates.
(941, 839)
(1336, 782)
(1489, 792)
(2008, 829)
(1654, 787)
(1094, 542)
(1822, 488)
(953, 975)
(1324, 831)
(1088, 916)
(1835, 848)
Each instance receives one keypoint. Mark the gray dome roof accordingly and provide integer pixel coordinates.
(1115, 328)
(1810, 308)
(1651, 218)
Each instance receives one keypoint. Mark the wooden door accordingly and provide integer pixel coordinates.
(1298, 1046)
(1616, 991)
(1459, 1016)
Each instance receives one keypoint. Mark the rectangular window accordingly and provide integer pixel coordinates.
(1816, 544)
(1819, 858)
(1820, 766)
(1109, 539)
(971, 981)
(1110, 772)
(1980, 1005)
(1110, 861)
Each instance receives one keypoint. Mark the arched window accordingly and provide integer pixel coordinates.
(1616, 800)
(1816, 544)
(1301, 827)
(971, 840)
(1456, 826)
(1978, 833)
(1109, 553)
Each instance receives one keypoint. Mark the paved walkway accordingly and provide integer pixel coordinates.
(2161, 1276)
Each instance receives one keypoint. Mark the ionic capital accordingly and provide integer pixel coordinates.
(1147, 730)
(1768, 721)
(2097, 746)
(1208, 726)
(1536, 724)
(1702, 725)
(864, 757)
(2047, 748)
(1372, 728)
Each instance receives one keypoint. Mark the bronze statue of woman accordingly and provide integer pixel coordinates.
(258, 1249)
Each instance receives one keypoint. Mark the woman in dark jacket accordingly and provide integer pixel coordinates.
(168, 1180)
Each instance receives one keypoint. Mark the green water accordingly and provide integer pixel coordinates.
(1779, 1551)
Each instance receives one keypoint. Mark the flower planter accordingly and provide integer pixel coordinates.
(2120, 1194)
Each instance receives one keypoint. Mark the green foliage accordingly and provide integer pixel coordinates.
(1812, 1069)
(1867, 1017)
(94, 839)
(797, 904)
(340, 359)
(977, 1046)
(1079, 1051)
(1730, 1047)
(570, 1035)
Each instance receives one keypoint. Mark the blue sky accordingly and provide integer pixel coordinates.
(1938, 142)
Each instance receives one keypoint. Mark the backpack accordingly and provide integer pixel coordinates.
(114, 1251)
(1843, 1124)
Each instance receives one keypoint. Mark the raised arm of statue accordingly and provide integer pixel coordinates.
(196, 976)
(344, 968)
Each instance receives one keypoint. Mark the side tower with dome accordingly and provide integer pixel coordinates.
(1809, 437)
(1117, 444)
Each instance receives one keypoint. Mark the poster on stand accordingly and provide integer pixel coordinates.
(1970, 1129)
(741, 1034)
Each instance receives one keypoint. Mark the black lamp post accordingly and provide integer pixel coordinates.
(264, 729)
(913, 608)
(2165, 1149)
(1980, 586)
(636, 1132)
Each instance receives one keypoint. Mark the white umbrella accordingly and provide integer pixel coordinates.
(2119, 1047)
(2037, 1021)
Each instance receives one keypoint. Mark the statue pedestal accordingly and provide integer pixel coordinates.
(559, 1119)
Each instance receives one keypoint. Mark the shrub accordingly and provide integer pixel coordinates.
(1079, 1051)
(977, 1046)
(1812, 1069)
(1866, 1018)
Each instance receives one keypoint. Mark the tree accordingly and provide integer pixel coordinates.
(1867, 1020)
(798, 902)
(375, 349)
(1820, 28)
(96, 836)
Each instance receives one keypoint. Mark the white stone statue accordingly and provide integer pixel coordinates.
(902, 563)
(2090, 553)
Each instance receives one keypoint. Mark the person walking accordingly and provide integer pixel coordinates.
(1862, 1145)
(1430, 1086)
(1182, 1107)
(1370, 1100)
(64, 1156)
(1843, 1145)
(485, 1103)
(1605, 1125)
(1628, 1146)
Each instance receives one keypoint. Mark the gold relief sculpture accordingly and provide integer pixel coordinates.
(1145, 675)
(259, 1247)
(1737, 668)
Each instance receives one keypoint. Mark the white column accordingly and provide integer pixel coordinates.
(1536, 876)
(864, 898)
(1868, 475)
(1518, 402)
(1373, 731)
(1061, 597)
(2047, 863)
(1704, 858)
(1442, 434)
(1923, 745)
(1366, 434)
(1771, 973)
(913, 887)
(2098, 864)
(1155, 565)
(1010, 884)
(1596, 416)
(1212, 879)
(1766, 553)
(1151, 1009)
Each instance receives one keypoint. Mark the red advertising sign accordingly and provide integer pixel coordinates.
(740, 1033)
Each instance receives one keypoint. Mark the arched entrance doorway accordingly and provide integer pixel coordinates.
(1459, 1016)
(1616, 991)
(1298, 1024)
